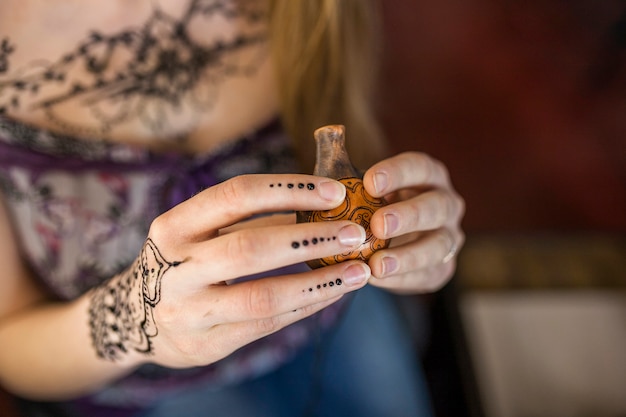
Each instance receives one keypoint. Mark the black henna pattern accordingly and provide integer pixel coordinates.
(310, 186)
(121, 311)
(165, 66)
(331, 283)
(314, 241)
(6, 49)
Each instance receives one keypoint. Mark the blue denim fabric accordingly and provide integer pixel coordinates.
(367, 367)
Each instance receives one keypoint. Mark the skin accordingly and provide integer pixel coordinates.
(423, 221)
(186, 307)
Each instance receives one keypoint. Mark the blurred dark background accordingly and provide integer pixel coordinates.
(525, 102)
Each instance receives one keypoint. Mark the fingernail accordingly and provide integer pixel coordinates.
(351, 235)
(390, 265)
(356, 274)
(332, 191)
(380, 182)
(391, 224)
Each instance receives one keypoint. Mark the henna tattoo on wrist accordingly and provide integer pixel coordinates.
(121, 311)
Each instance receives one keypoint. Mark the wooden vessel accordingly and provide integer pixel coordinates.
(332, 161)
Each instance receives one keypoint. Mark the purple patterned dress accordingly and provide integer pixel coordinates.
(81, 211)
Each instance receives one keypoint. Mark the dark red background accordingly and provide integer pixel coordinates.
(524, 101)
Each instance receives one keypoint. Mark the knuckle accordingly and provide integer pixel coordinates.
(445, 210)
(413, 157)
(460, 205)
(416, 159)
(242, 247)
(417, 262)
(435, 279)
(425, 214)
(308, 310)
(444, 240)
(426, 163)
(160, 226)
(460, 240)
(268, 325)
(441, 168)
(231, 191)
(167, 316)
(262, 300)
(435, 171)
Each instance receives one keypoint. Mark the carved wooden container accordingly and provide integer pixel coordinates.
(332, 161)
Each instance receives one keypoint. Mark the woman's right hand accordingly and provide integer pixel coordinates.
(173, 306)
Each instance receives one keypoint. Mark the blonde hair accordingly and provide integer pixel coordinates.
(325, 56)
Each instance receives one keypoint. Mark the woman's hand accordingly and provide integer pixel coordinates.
(423, 219)
(173, 306)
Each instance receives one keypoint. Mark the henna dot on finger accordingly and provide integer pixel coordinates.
(301, 186)
(313, 241)
(329, 284)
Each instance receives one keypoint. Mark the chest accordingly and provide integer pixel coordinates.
(162, 74)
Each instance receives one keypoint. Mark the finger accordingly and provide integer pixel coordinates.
(421, 281)
(229, 337)
(262, 221)
(240, 197)
(409, 169)
(427, 211)
(250, 251)
(430, 250)
(270, 297)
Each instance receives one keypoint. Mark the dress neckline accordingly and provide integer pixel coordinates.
(47, 143)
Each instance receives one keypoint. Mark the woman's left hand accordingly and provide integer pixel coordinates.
(423, 218)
